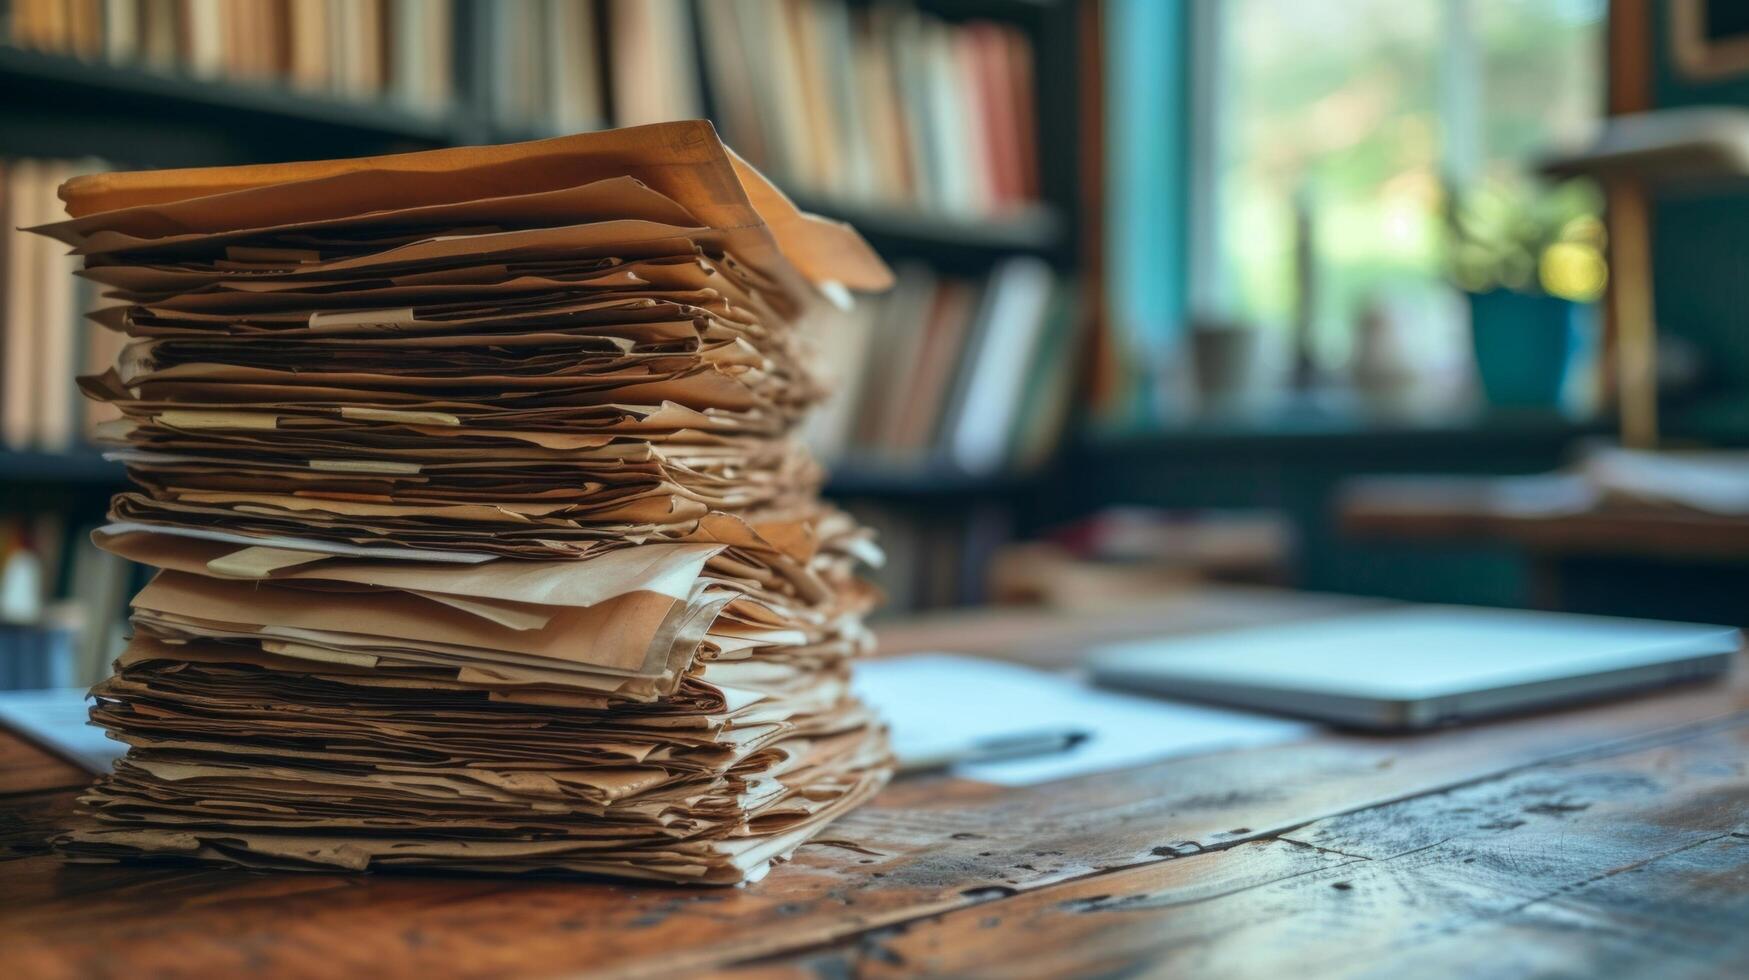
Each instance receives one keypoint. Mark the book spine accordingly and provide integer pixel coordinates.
(26, 278)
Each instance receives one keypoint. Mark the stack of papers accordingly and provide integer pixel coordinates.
(483, 539)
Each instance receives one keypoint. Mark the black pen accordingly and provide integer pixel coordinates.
(997, 748)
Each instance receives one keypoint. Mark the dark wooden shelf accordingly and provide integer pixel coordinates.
(1008, 10)
(1312, 431)
(950, 241)
(84, 467)
(930, 481)
(500, 131)
(56, 93)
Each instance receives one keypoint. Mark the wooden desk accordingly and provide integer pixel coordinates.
(1603, 840)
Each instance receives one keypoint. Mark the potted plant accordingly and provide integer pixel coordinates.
(1531, 261)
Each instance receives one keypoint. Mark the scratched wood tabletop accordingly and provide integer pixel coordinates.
(1609, 840)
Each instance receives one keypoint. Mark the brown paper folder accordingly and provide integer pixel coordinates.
(483, 538)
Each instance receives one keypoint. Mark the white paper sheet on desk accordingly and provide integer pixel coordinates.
(58, 719)
(935, 700)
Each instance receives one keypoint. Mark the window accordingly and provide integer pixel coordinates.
(1352, 118)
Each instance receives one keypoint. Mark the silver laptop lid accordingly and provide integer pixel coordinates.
(1412, 653)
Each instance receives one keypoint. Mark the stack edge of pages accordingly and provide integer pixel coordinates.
(483, 539)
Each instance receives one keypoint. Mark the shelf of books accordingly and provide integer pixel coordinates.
(944, 130)
(959, 380)
(164, 83)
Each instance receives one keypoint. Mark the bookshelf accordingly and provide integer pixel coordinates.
(131, 113)
(57, 91)
(134, 115)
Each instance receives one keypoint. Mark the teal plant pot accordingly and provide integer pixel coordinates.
(1524, 346)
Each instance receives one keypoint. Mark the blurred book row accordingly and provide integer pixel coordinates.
(974, 374)
(877, 102)
(47, 637)
(547, 60)
(366, 49)
(63, 603)
(856, 101)
(861, 102)
(45, 338)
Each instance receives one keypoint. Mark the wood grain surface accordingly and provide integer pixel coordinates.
(1608, 840)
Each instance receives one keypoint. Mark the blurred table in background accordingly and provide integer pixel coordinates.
(1603, 840)
(1659, 562)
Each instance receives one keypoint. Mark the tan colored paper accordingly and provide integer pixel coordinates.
(484, 541)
